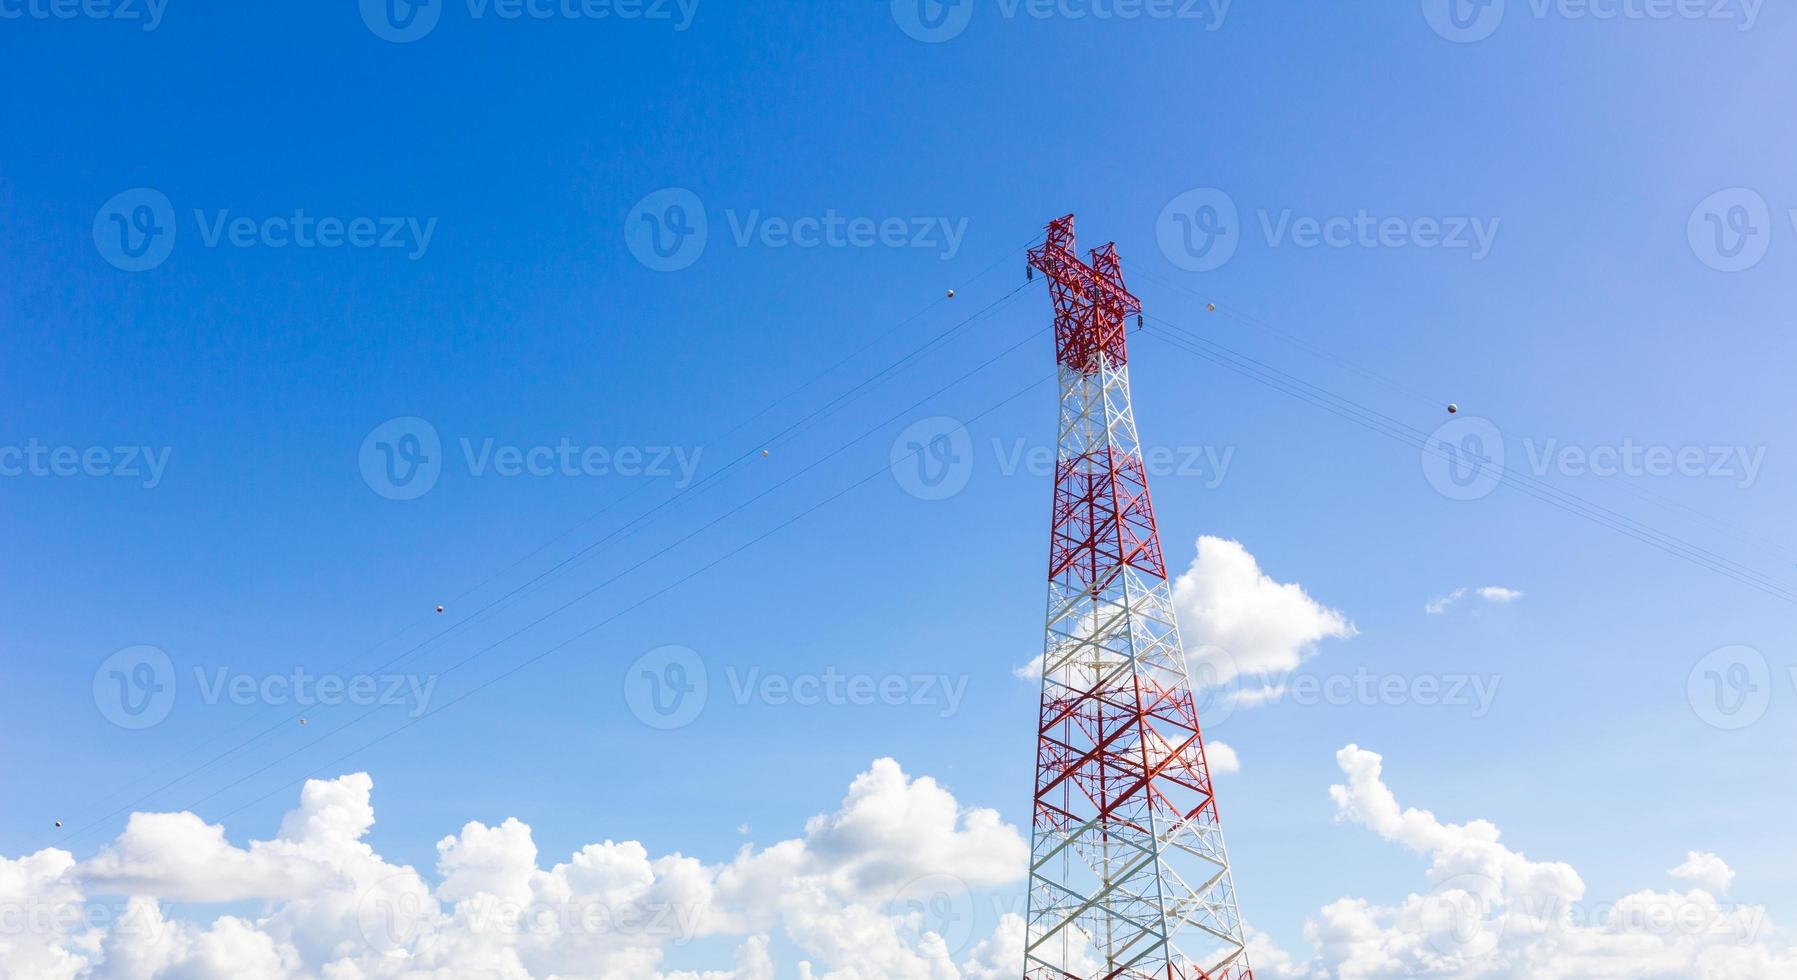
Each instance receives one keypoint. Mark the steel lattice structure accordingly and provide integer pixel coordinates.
(1128, 874)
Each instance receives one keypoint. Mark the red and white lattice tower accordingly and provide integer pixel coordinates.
(1128, 873)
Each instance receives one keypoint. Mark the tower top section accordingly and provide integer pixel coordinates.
(1092, 305)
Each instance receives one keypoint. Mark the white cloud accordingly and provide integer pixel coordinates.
(1235, 619)
(332, 908)
(44, 944)
(842, 894)
(1000, 954)
(1440, 605)
(1222, 758)
(179, 857)
(891, 828)
(1496, 594)
(1706, 871)
(1492, 912)
(1458, 850)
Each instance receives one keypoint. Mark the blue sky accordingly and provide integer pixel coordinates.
(1596, 313)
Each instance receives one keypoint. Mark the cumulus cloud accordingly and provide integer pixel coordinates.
(332, 908)
(1492, 912)
(1706, 871)
(853, 894)
(179, 857)
(1222, 757)
(1495, 594)
(892, 828)
(45, 943)
(1235, 619)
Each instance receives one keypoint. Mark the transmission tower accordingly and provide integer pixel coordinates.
(1128, 874)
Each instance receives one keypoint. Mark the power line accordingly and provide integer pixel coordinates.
(885, 468)
(616, 534)
(1391, 428)
(1233, 312)
(82, 832)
